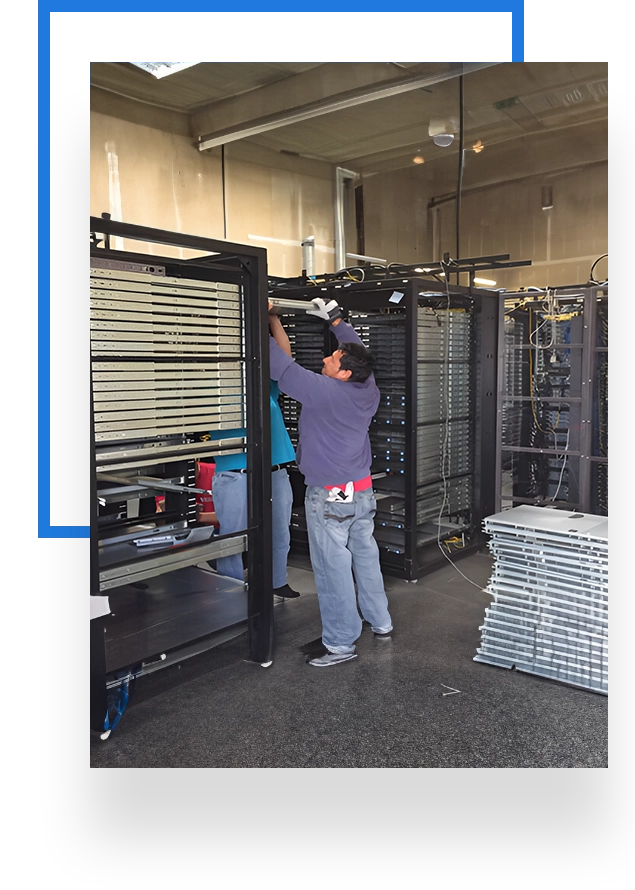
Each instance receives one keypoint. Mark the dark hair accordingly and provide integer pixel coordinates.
(358, 360)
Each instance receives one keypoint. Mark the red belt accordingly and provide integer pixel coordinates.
(360, 485)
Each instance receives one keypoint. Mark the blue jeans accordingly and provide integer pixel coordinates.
(229, 491)
(341, 544)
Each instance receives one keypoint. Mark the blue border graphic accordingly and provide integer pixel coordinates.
(75, 34)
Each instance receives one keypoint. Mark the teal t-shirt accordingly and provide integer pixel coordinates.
(282, 451)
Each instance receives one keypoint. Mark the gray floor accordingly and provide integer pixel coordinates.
(394, 706)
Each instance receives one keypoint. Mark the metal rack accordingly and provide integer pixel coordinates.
(435, 365)
(552, 425)
(178, 349)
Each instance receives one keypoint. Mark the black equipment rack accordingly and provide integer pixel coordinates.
(552, 426)
(432, 437)
(179, 348)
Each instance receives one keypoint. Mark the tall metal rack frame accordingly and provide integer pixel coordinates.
(404, 299)
(552, 418)
(243, 269)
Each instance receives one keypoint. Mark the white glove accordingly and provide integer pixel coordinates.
(326, 311)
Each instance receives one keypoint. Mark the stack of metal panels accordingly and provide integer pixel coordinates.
(155, 342)
(167, 366)
(550, 587)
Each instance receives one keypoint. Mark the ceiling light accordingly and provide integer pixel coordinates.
(418, 159)
(422, 269)
(478, 146)
(486, 282)
(443, 139)
(161, 69)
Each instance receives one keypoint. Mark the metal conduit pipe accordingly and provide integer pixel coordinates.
(341, 175)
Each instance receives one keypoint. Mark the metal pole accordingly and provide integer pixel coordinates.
(460, 177)
(308, 256)
(341, 175)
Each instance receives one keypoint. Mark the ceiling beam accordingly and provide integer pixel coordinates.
(337, 102)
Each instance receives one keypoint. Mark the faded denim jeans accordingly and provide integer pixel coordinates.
(229, 491)
(344, 551)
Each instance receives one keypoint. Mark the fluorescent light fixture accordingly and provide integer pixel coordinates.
(486, 282)
(422, 269)
(161, 69)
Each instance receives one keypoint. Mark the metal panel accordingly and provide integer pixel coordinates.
(160, 563)
(550, 588)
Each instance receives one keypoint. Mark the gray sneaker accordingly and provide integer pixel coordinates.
(386, 635)
(330, 658)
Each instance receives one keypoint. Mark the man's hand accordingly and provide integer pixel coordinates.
(330, 311)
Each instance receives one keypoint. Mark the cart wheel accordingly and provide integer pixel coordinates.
(266, 664)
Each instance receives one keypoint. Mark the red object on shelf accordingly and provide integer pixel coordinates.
(205, 502)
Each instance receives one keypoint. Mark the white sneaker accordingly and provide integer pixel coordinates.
(330, 658)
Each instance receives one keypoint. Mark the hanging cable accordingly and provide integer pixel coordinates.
(563, 456)
(445, 452)
(591, 278)
(460, 178)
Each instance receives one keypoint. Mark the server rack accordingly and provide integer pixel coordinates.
(433, 458)
(552, 425)
(178, 349)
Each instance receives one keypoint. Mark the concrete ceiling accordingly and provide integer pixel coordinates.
(369, 117)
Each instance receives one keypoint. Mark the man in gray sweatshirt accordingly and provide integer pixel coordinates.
(334, 456)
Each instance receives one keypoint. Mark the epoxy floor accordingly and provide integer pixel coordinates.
(417, 702)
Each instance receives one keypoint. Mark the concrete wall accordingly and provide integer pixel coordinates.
(146, 170)
(410, 214)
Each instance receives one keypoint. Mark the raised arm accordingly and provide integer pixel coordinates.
(345, 332)
(278, 332)
(332, 314)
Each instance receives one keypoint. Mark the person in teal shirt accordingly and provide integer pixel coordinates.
(229, 490)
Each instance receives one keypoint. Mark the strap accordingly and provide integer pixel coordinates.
(360, 485)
